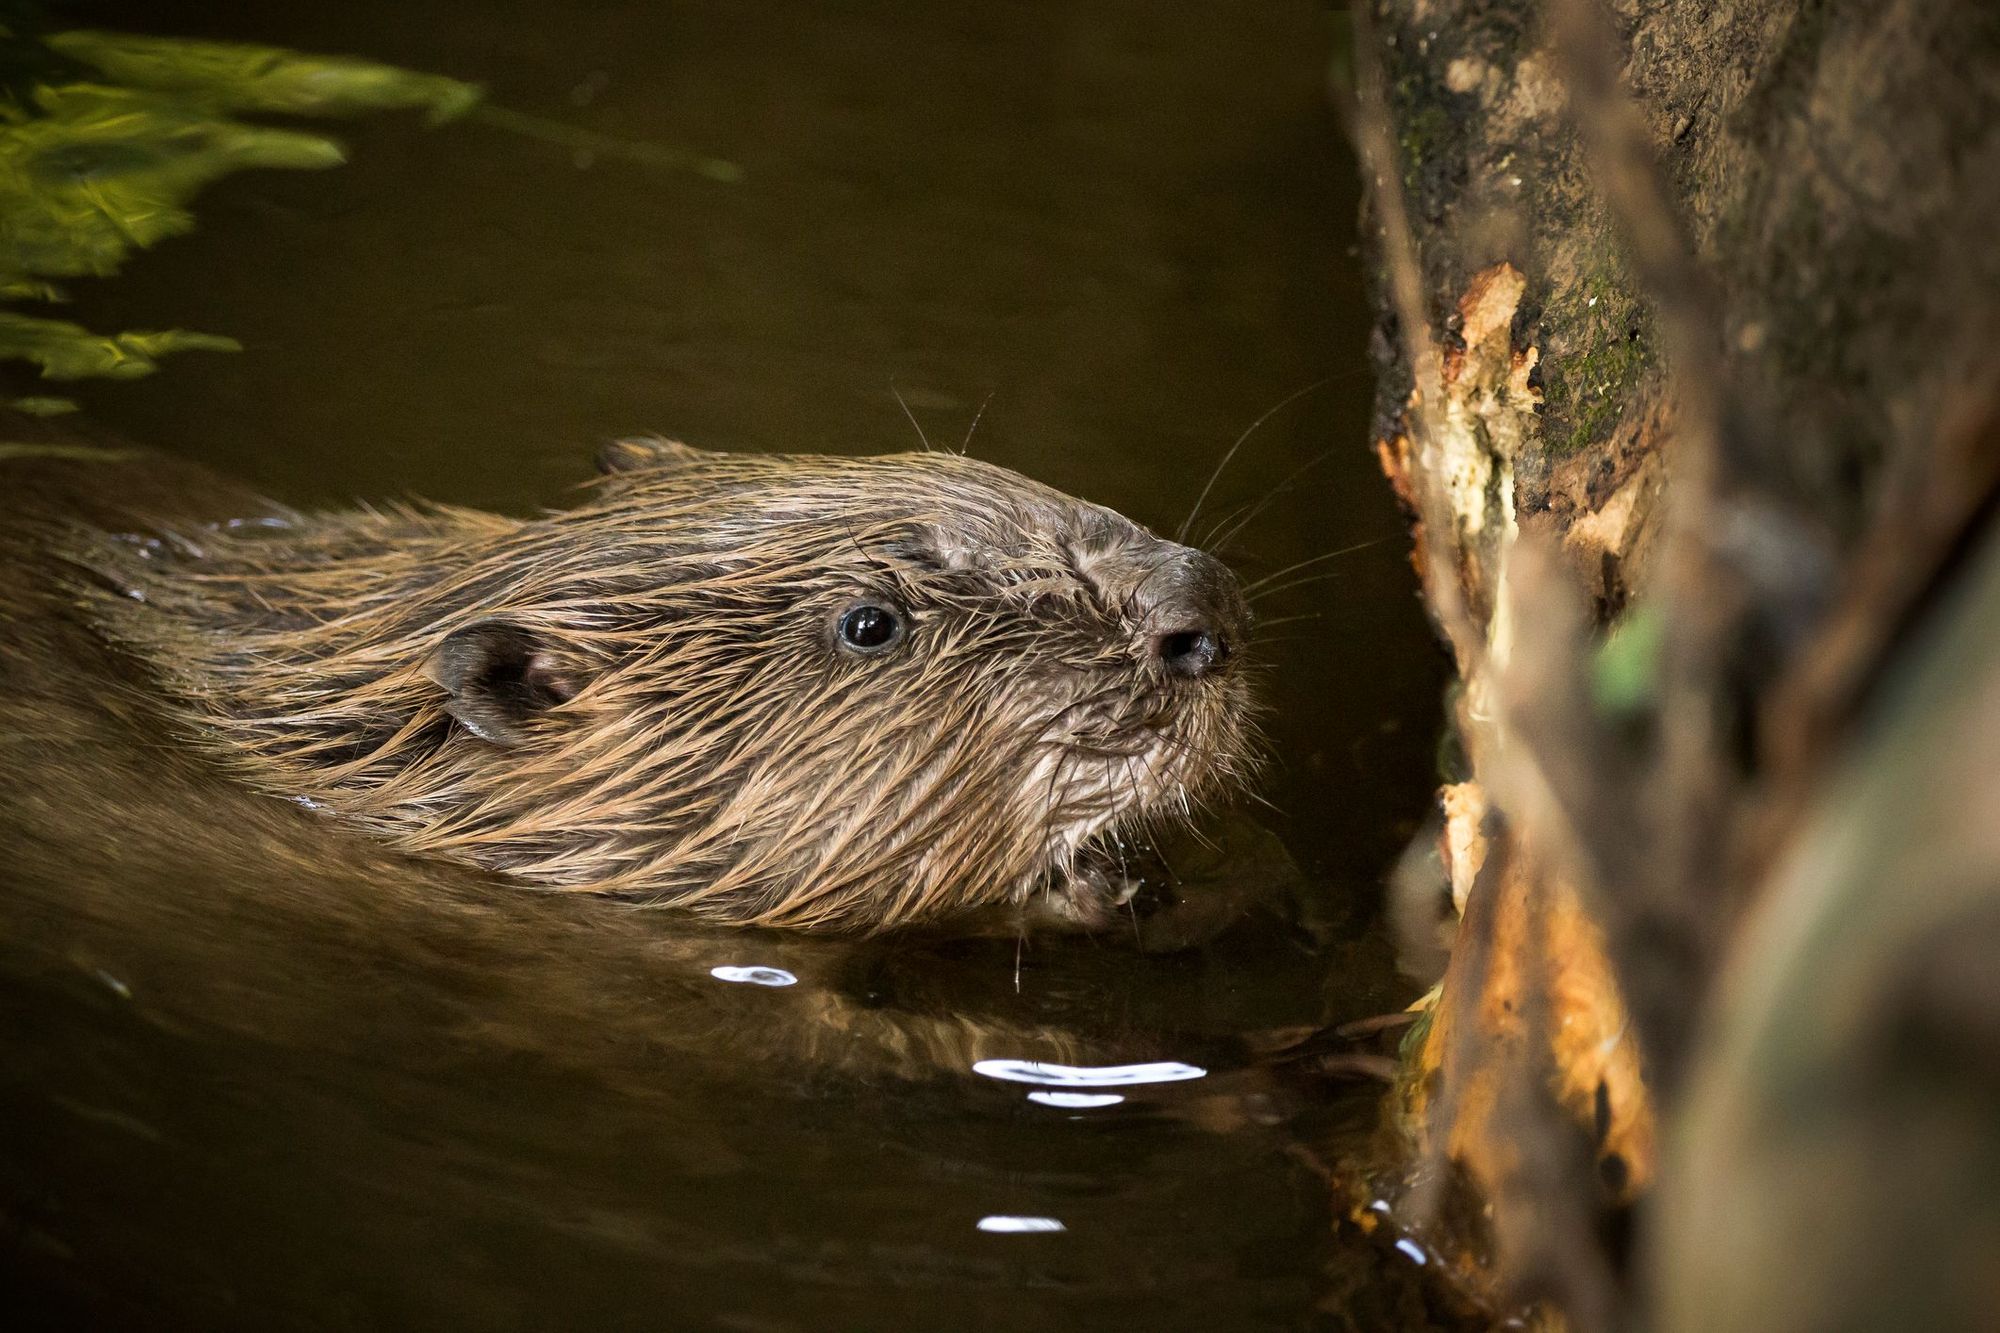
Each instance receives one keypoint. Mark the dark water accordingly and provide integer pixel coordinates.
(1124, 230)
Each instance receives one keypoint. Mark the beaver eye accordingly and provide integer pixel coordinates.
(869, 628)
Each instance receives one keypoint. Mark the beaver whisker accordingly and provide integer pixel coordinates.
(1180, 534)
(1250, 589)
(922, 438)
(1219, 537)
(1300, 582)
(965, 446)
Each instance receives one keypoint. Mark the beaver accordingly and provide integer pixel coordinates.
(781, 690)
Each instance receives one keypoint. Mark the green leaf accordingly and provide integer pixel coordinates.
(1625, 677)
(17, 288)
(103, 171)
(39, 405)
(80, 453)
(67, 351)
(233, 77)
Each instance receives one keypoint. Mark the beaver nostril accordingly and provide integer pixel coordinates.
(1192, 652)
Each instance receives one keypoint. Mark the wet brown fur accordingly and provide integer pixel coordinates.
(702, 739)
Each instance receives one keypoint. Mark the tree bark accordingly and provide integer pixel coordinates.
(1687, 377)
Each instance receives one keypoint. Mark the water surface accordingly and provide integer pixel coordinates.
(1112, 233)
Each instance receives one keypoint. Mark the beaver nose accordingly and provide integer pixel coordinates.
(1197, 608)
(1193, 652)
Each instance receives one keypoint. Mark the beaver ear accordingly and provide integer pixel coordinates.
(498, 675)
(645, 451)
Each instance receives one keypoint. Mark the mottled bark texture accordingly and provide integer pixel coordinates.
(1687, 377)
(1837, 164)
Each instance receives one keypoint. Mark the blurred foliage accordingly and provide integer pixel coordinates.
(89, 173)
(68, 351)
(585, 145)
(41, 405)
(104, 147)
(224, 76)
(1626, 672)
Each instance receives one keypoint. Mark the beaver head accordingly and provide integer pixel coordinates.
(784, 690)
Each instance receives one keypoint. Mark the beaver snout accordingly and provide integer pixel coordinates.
(1193, 652)
(1198, 613)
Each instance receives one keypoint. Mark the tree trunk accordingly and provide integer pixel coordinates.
(1687, 378)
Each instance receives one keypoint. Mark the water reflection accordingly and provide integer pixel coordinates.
(755, 976)
(1103, 1076)
(1020, 1225)
(1076, 1101)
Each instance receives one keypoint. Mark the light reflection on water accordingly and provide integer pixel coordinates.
(1104, 1076)
(754, 976)
(1076, 1101)
(1020, 1225)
